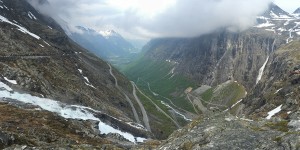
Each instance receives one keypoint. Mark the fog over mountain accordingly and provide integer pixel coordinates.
(178, 18)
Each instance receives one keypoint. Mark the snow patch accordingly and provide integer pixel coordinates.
(278, 91)
(272, 30)
(263, 25)
(281, 29)
(64, 110)
(41, 45)
(107, 33)
(20, 28)
(5, 87)
(106, 129)
(236, 103)
(46, 43)
(31, 16)
(5, 7)
(49, 27)
(261, 70)
(274, 111)
(273, 15)
(87, 82)
(10, 81)
(80, 71)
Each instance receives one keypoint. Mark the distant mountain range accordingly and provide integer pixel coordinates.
(105, 44)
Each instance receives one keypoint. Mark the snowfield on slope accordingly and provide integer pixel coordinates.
(64, 110)
(20, 28)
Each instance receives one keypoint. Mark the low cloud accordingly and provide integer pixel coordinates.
(183, 18)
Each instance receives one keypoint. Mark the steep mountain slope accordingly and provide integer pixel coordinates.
(279, 85)
(42, 70)
(42, 67)
(45, 61)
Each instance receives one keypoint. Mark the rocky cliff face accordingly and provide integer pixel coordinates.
(273, 107)
(215, 58)
(279, 85)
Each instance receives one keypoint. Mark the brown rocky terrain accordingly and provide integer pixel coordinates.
(42, 61)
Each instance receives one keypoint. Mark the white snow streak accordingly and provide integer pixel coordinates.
(46, 43)
(22, 29)
(236, 103)
(31, 16)
(261, 70)
(274, 111)
(10, 81)
(87, 82)
(278, 91)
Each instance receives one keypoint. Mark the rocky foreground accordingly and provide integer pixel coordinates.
(224, 131)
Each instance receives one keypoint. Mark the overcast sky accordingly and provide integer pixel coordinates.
(288, 5)
(145, 19)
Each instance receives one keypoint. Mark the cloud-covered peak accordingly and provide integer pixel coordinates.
(175, 18)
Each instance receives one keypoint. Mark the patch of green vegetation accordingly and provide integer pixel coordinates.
(277, 139)
(257, 128)
(187, 145)
(280, 126)
(226, 94)
(208, 94)
(161, 80)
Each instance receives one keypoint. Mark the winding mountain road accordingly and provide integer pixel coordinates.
(157, 107)
(145, 116)
(126, 96)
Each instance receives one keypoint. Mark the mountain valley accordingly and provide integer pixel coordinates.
(222, 90)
